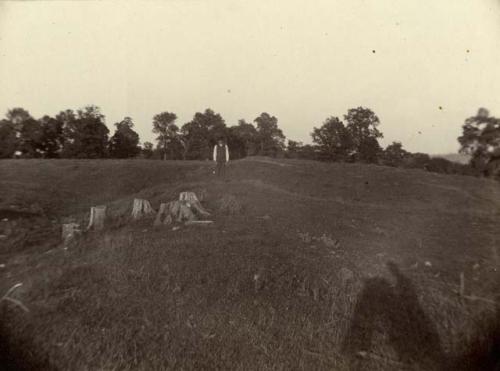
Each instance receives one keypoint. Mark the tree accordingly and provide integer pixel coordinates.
(309, 152)
(10, 131)
(125, 141)
(440, 165)
(362, 127)
(242, 139)
(52, 136)
(8, 139)
(394, 154)
(194, 141)
(168, 132)
(270, 137)
(86, 135)
(333, 140)
(418, 160)
(293, 149)
(18, 116)
(201, 134)
(147, 150)
(31, 139)
(28, 132)
(369, 150)
(481, 140)
(236, 143)
(70, 132)
(214, 124)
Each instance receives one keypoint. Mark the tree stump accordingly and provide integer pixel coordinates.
(193, 202)
(97, 216)
(69, 232)
(178, 211)
(187, 209)
(141, 208)
(161, 214)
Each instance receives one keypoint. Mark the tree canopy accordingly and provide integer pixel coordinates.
(125, 141)
(201, 133)
(332, 139)
(86, 135)
(481, 139)
(362, 127)
(242, 139)
(270, 137)
(8, 139)
(164, 125)
(394, 154)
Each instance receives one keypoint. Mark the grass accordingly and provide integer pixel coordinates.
(326, 266)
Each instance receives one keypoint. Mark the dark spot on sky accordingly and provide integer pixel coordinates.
(419, 132)
(441, 108)
(468, 50)
(373, 51)
(229, 90)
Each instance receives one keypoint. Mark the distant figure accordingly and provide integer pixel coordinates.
(221, 157)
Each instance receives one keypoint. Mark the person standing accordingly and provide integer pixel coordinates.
(221, 157)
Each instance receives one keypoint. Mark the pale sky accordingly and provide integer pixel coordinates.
(301, 61)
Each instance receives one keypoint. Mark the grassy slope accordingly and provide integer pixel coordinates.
(137, 297)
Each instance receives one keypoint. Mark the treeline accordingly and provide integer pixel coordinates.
(355, 138)
(84, 134)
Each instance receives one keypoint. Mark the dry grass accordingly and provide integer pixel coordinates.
(335, 276)
(230, 205)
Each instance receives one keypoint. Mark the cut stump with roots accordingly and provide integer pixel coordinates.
(69, 232)
(141, 209)
(97, 217)
(187, 209)
(192, 201)
(174, 211)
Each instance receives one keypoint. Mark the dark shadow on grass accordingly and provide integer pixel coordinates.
(17, 351)
(483, 352)
(396, 311)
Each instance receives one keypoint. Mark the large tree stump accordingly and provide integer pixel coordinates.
(161, 212)
(141, 208)
(187, 209)
(178, 211)
(69, 232)
(193, 202)
(97, 217)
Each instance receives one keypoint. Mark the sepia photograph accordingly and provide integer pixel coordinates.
(250, 185)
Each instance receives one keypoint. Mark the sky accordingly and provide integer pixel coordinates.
(422, 66)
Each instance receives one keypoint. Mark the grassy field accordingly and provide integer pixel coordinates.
(327, 266)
